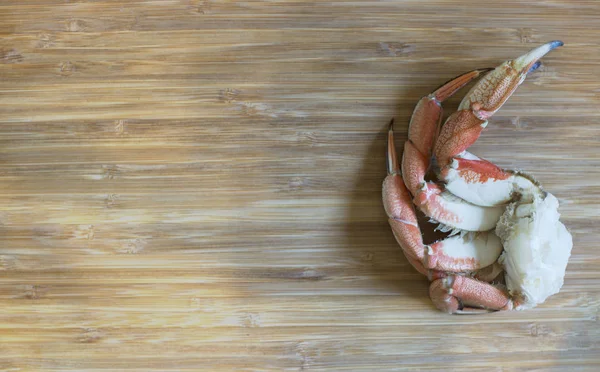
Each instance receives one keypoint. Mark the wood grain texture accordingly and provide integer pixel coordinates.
(195, 185)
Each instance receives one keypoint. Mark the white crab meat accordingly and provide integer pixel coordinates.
(489, 193)
(537, 247)
(468, 252)
(492, 191)
(470, 217)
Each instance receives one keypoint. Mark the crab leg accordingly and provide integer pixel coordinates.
(473, 179)
(430, 198)
(453, 254)
(452, 293)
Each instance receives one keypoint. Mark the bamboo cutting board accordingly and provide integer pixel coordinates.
(196, 185)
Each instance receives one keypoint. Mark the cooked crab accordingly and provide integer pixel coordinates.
(501, 221)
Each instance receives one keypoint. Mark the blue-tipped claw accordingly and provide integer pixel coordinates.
(530, 61)
(535, 66)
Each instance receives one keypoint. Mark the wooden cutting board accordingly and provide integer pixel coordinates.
(196, 185)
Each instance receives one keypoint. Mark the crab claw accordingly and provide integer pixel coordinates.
(494, 89)
(477, 180)
(486, 97)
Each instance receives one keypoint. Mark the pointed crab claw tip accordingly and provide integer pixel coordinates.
(391, 124)
(528, 61)
(535, 66)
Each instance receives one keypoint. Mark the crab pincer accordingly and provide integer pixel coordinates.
(476, 180)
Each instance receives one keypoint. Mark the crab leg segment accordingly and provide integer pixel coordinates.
(399, 208)
(427, 115)
(452, 293)
(464, 253)
(454, 254)
(476, 180)
(483, 183)
(429, 197)
(430, 274)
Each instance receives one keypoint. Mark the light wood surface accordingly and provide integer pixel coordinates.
(195, 185)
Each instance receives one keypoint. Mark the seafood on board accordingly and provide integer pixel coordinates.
(500, 221)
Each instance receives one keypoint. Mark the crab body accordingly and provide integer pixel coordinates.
(500, 220)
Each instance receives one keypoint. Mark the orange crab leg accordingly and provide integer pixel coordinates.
(424, 125)
(399, 208)
(430, 274)
(454, 294)
(427, 115)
